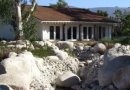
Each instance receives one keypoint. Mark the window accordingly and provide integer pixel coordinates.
(51, 32)
(103, 31)
(69, 33)
(85, 32)
(57, 32)
(90, 32)
(99, 33)
(74, 32)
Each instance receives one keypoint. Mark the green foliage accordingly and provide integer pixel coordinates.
(106, 40)
(43, 51)
(59, 4)
(6, 10)
(124, 40)
(29, 30)
(126, 26)
(118, 14)
(123, 23)
(102, 13)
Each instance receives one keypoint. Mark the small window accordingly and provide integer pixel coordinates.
(99, 33)
(69, 33)
(103, 30)
(85, 32)
(57, 32)
(74, 32)
(90, 32)
(51, 32)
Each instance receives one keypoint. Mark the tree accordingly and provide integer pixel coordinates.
(59, 4)
(14, 13)
(118, 14)
(126, 26)
(120, 18)
(102, 13)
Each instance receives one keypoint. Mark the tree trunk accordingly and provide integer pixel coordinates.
(19, 20)
(31, 10)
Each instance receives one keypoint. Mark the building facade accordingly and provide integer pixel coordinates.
(72, 24)
(74, 31)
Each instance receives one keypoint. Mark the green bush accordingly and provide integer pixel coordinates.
(125, 40)
(43, 51)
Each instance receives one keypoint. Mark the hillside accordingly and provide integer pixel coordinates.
(111, 10)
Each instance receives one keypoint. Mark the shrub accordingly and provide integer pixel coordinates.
(125, 40)
(43, 51)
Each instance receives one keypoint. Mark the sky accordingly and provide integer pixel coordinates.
(89, 3)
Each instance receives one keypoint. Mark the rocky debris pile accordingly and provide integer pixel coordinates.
(110, 72)
(26, 72)
(96, 69)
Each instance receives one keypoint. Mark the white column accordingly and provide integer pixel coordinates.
(101, 32)
(54, 33)
(92, 33)
(81, 34)
(110, 29)
(106, 32)
(66, 33)
(77, 36)
(98, 32)
(61, 33)
(87, 34)
(71, 33)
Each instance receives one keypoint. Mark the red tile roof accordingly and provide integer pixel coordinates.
(45, 13)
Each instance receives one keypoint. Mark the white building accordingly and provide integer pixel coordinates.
(72, 24)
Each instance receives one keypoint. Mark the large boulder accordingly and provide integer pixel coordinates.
(117, 45)
(107, 71)
(3, 41)
(79, 48)
(100, 47)
(19, 69)
(43, 43)
(65, 44)
(52, 58)
(121, 78)
(67, 79)
(40, 43)
(62, 55)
